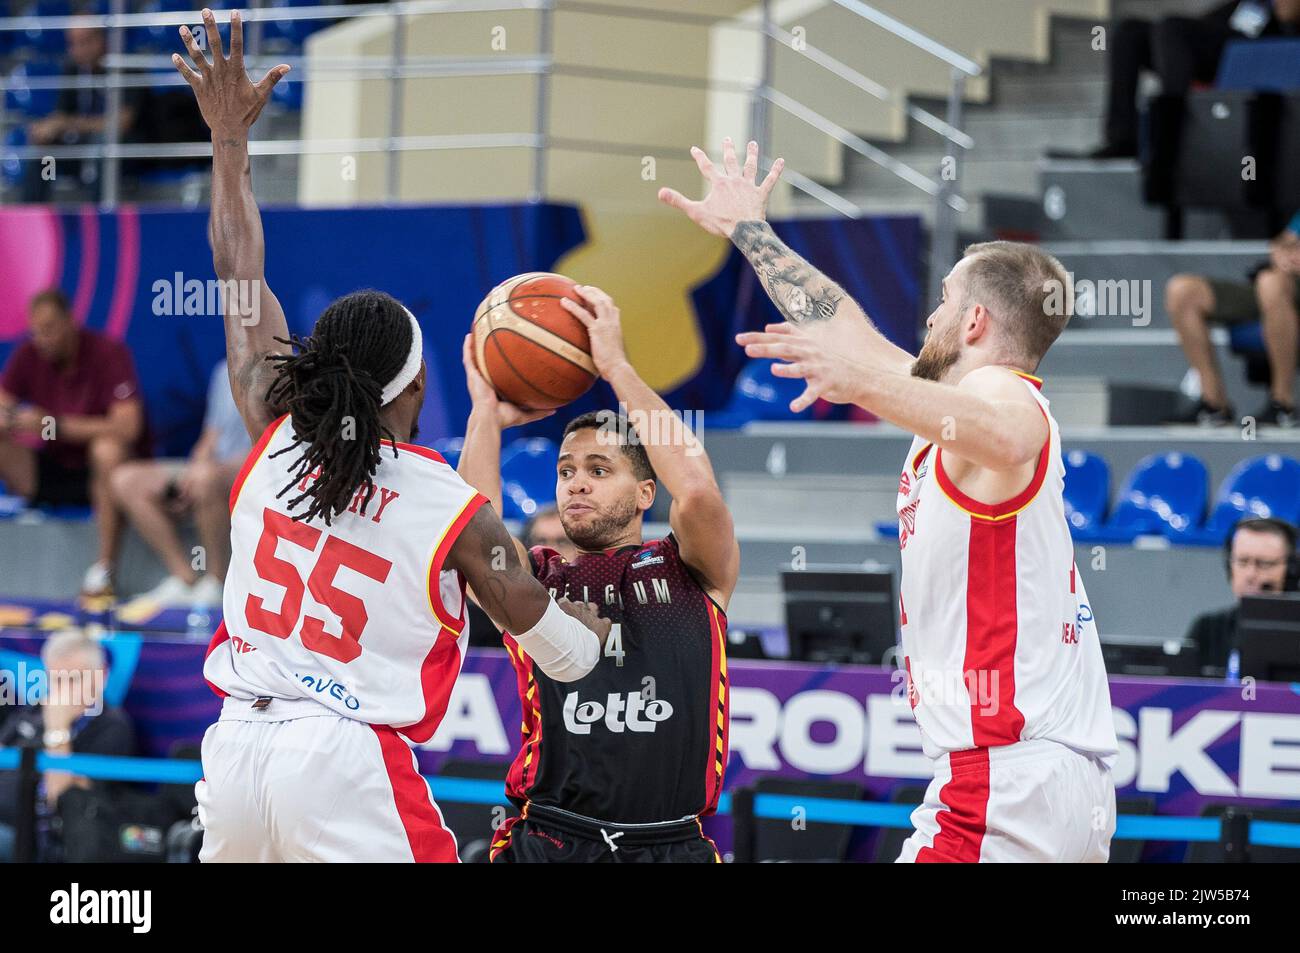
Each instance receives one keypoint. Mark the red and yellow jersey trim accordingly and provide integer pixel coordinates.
(1008, 508)
(254, 456)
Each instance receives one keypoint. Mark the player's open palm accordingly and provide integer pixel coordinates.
(600, 316)
(481, 394)
(828, 374)
(228, 100)
(735, 195)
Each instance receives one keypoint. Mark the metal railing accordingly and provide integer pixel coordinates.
(398, 66)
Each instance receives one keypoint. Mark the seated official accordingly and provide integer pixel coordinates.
(70, 413)
(152, 493)
(72, 718)
(1260, 554)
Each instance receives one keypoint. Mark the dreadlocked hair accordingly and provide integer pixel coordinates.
(332, 387)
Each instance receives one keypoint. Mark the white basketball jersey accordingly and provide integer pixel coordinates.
(360, 616)
(999, 640)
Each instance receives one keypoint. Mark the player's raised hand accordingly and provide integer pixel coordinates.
(734, 193)
(482, 395)
(228, 100)
(600, 316)
(828, 374)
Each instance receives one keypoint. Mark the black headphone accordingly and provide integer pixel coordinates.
(1270, 524)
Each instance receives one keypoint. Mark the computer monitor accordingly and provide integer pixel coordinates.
(1268, 637)
(840, 615)
(1148, 656)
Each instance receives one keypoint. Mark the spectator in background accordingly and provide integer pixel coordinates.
(545, 529)
(1194, 302)
(1257, 553)
(71, 718)
(153, 492)
(81, 114)
(70, 412)
(1181, 50)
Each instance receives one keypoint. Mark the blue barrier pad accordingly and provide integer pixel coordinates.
(770, 806)
(830, 811)
(467, 790)
(1150, 827)
(112, 768)
(1274, 834)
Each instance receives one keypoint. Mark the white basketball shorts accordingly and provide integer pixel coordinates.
(1035, 801)
(296, 782)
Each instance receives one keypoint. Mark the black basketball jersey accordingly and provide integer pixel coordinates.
(643, 736)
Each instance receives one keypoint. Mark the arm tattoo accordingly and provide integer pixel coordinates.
(506, 594)
(800, 292)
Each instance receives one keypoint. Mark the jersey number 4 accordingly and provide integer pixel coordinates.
(335, 554)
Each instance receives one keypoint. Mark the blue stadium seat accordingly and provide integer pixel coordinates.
(41, 41)
(1246, 338)
(292, 31)
(11, 506)
(1261, 486)
(450, 448)
(1087, 491)
(1165, 494)
(528, 476)
(287, 93)
(11, 167)
(156, 37)
(758, 395)
(22, 98)
(1271, 65)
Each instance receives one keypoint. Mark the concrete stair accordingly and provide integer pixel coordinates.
(1152, 262)
(1040, 98)
(785, 482)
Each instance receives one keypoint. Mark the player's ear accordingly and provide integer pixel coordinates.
(415, 394)
(645, 493)
(976, 323)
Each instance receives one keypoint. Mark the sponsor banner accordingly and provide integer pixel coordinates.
(1183, 742)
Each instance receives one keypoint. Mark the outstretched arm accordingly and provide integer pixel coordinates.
(988, 419)
(489, 416)
(564, 638)
(736, 208)
(230, 104)
(699, 516)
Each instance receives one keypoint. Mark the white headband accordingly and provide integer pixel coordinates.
(412, 365)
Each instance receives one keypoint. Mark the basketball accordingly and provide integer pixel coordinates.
(533, 352)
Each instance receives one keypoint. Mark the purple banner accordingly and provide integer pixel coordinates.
(1183, 742)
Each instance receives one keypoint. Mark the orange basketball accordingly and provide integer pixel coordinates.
(533, 352)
